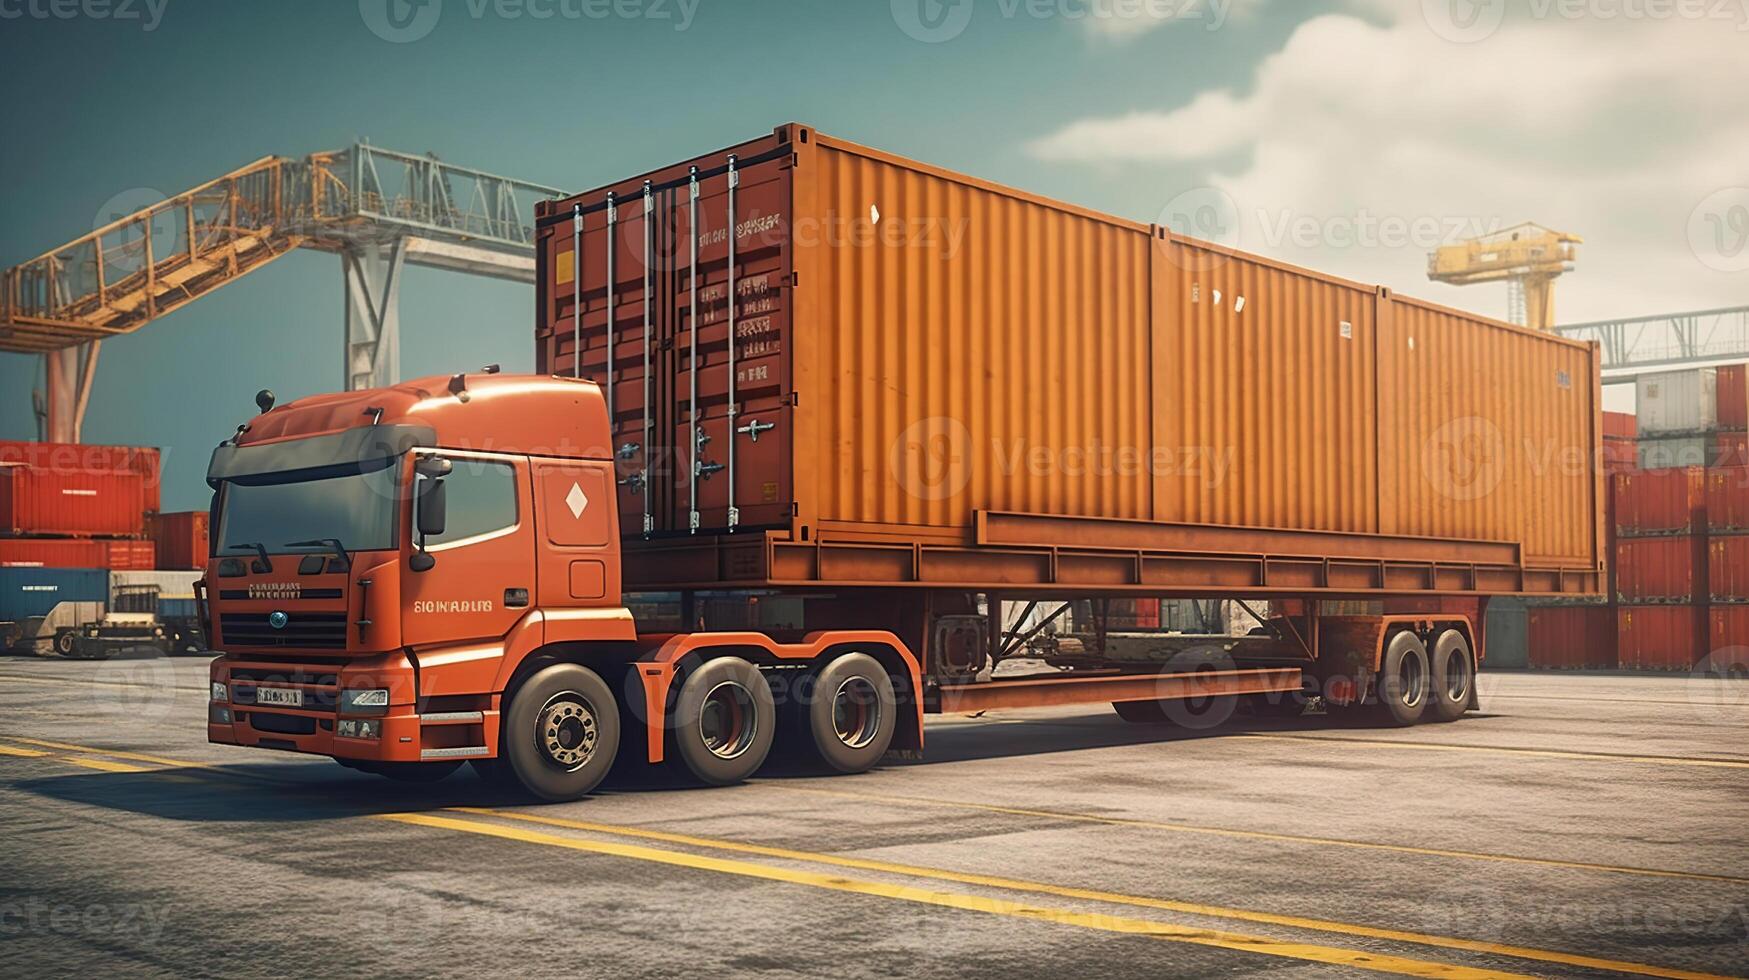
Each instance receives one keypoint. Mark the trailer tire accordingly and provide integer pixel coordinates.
(724, 720)
(852, 714)
(1452, 673)
(67, 644)
(1142, 712)
(1402, 689)
(560, 733)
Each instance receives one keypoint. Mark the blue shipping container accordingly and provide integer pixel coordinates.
(176, 607)
(26, 592)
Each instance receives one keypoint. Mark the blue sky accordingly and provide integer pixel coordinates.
(1121, 114)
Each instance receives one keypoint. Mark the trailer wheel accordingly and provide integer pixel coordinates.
(561, 732)
(1402, 687)
(67, 643)
(1453, 675)
(853, 713)
(724, 719)
(1142, 712)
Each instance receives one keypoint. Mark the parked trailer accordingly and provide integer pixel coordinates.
(821, 505)
(35, 602)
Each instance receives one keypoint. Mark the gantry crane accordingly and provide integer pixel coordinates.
(377, 209)
(1527, 257)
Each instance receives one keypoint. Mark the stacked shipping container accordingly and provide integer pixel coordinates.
(76, 506)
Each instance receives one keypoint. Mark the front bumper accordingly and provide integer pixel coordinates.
(465, 730)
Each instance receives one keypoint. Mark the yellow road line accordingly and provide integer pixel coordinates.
(1185, 828)
(1094, 895)
(21, 753)
(101, 765)
(156, 760)
(956, 900)
(1385, 743)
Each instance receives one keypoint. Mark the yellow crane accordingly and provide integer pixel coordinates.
(1527, 257)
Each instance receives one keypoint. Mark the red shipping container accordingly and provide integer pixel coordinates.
(181, 538)
(1728, 641)
(1620, 425)
(1667, 569)
(1727, 498)
(66, 456)
(1671, 501)
(71, 502)
(1572, 636)
(1728, 567)
(1733, 396)
(113, 553)
(1729, 449)
(1660, 637)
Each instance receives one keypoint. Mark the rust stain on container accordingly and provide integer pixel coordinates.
(924, 346)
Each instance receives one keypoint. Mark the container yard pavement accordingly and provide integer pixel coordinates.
(1579, 825)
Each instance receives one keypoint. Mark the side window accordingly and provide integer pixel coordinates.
(481, 500)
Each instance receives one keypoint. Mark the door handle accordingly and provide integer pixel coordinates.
(515, 598)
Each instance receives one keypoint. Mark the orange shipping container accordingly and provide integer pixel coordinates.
(71, 502)
(1660, 637)
(66, 457)
(1572, 636)
(123, 554)
(1669, 501)
(1730, 449)
(919, 355)
(1620, 425)
(1728, 567)
(1728, 642)
(1727, 498)
(181, 538)
(1668, 569)
(1733, 396)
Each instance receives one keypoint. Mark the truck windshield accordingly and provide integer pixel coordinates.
(357, 505)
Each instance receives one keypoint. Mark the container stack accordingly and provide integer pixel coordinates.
(76, 506)
(180, 539)
(1693, 417)
(1727, 504)
(1620, 442)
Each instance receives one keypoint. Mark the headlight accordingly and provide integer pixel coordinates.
(220, 692)
(366, 701)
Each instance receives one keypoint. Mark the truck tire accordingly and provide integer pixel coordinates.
(1452, 673)
(1142, 712)
(724, 719)
(67, 644)
(561, 733)
(1401, 691)
(853, 713)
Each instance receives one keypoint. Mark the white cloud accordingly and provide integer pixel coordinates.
(1122, 20)
(1612, 129)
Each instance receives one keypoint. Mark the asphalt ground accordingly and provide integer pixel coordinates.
(1577, 825)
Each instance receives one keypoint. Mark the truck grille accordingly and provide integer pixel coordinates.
(311, 631)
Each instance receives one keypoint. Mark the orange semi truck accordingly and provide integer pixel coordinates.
(823, 441)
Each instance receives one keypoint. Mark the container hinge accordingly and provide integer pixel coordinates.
(649, 525)
(694, 525)
(752, 429)
(734, 516)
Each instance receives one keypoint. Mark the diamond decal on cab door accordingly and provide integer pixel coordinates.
(576, 500)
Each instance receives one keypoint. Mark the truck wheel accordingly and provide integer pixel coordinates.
(561, 732)
(724, 720)
(67, 643)
(1402, 687)
(852, 713)
(1453, 675)
(1142, 712)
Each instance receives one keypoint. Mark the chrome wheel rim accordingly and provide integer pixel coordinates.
(856, 712)
(567, 731)
(728, 720)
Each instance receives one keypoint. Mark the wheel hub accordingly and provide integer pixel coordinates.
(856, 713)
(567, 732)
(728, 720)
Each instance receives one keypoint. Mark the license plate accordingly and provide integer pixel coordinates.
(286, 696)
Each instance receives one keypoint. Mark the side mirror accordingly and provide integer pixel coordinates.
(433, 507)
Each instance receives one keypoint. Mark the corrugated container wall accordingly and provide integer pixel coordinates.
(1660, 637)
(1673, 402)
(1733, 391)
(1670, 501)
(1728, 638)
(28, 592)
(1728, 567)
(77, 553)
(63, 456)
(181, 538)
(914, 347)
(1727, 498)
(1675, 452)
(71, 502)
(1669, 569)
(1572, 637)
